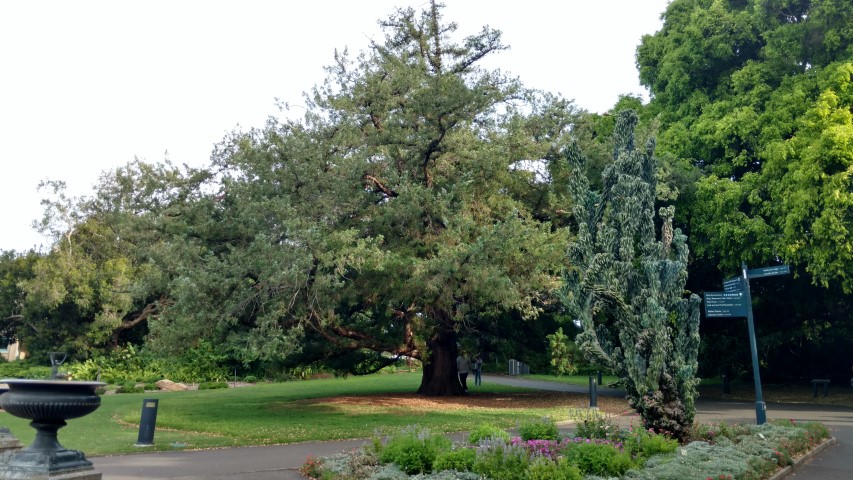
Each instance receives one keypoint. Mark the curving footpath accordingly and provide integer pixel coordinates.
(833, 462)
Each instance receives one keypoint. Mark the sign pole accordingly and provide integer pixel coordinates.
(760, 406)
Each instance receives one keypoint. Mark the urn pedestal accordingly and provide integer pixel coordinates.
(48, 404)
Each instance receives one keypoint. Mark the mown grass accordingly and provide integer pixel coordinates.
(582, 380)
(269, 414)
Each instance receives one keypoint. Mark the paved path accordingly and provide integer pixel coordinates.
(282, 462)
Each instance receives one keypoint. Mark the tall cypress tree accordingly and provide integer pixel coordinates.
(626, 287)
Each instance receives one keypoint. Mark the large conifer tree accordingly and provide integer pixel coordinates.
(383, 223)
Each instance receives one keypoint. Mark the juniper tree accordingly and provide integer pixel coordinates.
(626, 286)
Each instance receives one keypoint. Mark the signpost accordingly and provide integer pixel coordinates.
(768, 271)
(733, 285)
(736, 301)
(725, 304)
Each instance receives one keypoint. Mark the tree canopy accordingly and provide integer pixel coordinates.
(756, 93)
(391, 220)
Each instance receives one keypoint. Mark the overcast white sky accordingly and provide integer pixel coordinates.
(86, 86)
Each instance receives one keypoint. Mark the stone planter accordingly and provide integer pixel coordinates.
(48, 404)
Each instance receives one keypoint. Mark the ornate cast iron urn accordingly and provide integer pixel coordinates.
(48, 404)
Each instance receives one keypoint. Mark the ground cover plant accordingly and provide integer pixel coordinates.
(717, 451)
(323, 409)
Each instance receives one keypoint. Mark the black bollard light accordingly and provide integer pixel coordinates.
(147, 422)
(593, 392)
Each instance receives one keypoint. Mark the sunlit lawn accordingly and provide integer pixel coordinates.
(269, 414)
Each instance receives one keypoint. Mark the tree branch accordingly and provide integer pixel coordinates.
(380, 186)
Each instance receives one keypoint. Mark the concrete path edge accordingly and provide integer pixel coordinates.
(802, 460)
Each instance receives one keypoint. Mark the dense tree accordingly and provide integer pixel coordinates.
(387, 221)
(757, 93)
(92, 291)
(15, 269)
(626, 287)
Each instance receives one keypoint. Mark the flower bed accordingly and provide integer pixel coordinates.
(717, 451)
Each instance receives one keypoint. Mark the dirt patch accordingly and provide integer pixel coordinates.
(412, 401)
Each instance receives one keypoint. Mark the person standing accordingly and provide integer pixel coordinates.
(477, 367)
(462, 368)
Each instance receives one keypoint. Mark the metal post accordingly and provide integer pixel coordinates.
(599, 377)
(760, 406)
(147, 422)
(593, 393)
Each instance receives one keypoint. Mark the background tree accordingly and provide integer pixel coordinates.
(626, 287)
(563, 353)
(15, 269)
(758, 95)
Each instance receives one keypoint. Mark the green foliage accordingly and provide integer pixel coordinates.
(24, 369)
(380, 221)
(540, 429)
(460, 459)
(414, 450)
(600, 459)
(356, 465)
(563, 355)
(500, 461)
(199, 364)
(485, 431)
(642, 444)
(130, 387)
(627, 287)
(593, 423)
(212, 385)
(542, 468)
(758, 94)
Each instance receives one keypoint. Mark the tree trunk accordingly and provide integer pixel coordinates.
(439, 373)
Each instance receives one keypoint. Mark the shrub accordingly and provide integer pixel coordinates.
(498, 461)
(212, 385)
(356, 464)
(601, 459)
(23, 369)
(542, 468)
(414, 451)
(642, 444)
(461, 460)
(312, 468)
(593, 423)
(542, 429)
(250, 379)
(486, 430)
(388, 472)
(129, 387)
(150, 386)
(712, 433)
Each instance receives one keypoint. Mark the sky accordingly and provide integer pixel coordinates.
(87, 86)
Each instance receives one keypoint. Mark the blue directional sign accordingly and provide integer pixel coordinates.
(725, 304)
(733, 284)
(769, 271)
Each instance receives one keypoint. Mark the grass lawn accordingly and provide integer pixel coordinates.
(288, 412)
(582, 380)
